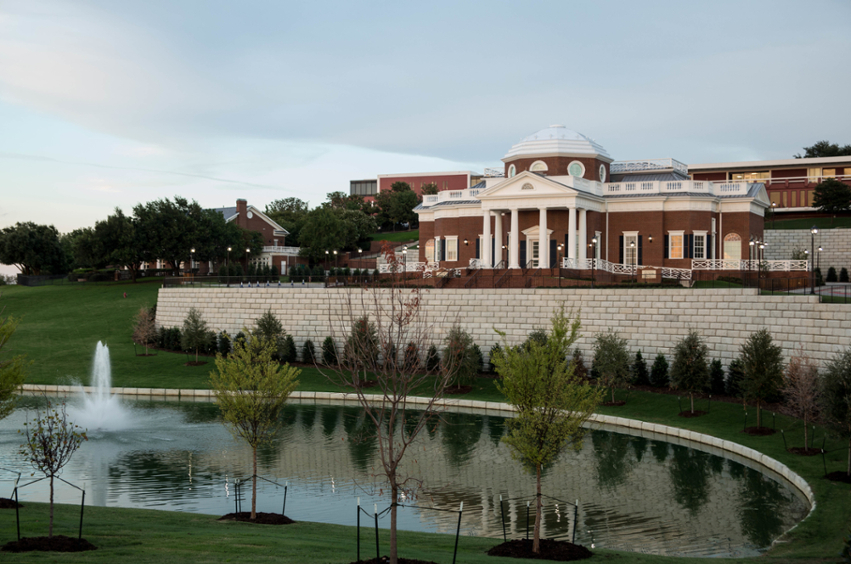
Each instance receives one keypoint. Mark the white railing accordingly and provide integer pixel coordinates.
(399, 267)
(648, 165)
(282, 250)
(675, 186)
(755, 265)
(475, 263)
(430, 199)
(676, 273)
(598, 264)
(451, 195)
(494, 172)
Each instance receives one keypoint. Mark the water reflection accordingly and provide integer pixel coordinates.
(185, 460)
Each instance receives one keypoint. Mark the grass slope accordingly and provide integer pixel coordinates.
(806, 223)
(396, 237)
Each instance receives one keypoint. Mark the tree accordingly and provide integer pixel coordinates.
(12, 371)
(735, 378)
(836, 398)
(116, 242)
(801, 389)
(832, 196)
(611, 360)
(550, 401)
(396, 205)
(399, 317)
(195, 334)
(322, 231)
(659, 372)
(459, 359)
(270, 328)
(80, 248)
(690, 370)
(429, 189)
(362, 345)
(762, 361)
(329, 352)
(825, 149)
(251, 389)
(716, 377)
(290, 214)
(34, 249)
(144, 328)
(640, 376)
(51, 441)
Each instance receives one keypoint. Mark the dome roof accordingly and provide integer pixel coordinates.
(556, 140)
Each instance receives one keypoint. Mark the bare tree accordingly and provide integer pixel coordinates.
(801, 388)
(400, 320)
(51, 442)
(144, 328)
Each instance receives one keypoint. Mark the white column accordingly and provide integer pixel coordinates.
(485, 247)
(583, 235)
(571, 233)
(543, 240)
(514, 243)
(497, 235)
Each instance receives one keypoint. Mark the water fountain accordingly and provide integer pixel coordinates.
(100, 410)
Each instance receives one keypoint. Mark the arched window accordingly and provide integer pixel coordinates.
(429, 248)
(511, 171)
(539, 166)
(732, 247)
(576, 168)
(602, 173)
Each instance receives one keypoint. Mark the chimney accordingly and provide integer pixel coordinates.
(242, 213)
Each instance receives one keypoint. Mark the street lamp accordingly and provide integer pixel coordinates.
(813, 231)
(227, 277)
(593, 260)
(761, 256)
(335, 259)
(191, 258)
(773, 206)
(818, 258)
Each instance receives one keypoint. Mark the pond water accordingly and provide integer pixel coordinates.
(635, 492)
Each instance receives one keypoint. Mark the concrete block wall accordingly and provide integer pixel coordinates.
(835, 242)
(651, 320)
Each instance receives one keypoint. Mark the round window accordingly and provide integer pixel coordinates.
(576, 168)
(602, 173)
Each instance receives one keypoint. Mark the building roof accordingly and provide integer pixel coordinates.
(797, 163)
(556, 140)
(647, 177)
(227, 212)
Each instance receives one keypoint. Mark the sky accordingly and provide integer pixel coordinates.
(111, 103)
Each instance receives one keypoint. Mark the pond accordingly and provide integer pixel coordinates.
(635, 492)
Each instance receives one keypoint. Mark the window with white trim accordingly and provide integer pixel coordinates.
(452, 248)
(675, 244)
(539, 166)
(429, 250)
(699, 245)
(576, 168)
(732, 246)
(630, 248)
(512, 171)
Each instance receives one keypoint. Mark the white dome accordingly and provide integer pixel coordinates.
(556, 140)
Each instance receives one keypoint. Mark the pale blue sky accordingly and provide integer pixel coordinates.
(112, 103)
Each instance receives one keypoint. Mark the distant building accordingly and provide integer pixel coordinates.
(275, 252)
(456, 180)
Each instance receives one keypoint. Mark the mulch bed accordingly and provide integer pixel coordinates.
(194, 363)
(803, 451)
(386, 559)
(262, 518)
(369, 383)
(688, 413)
(458, 390)
(618, 403)
(560, 551)
(6, 503)
(759, 431)
(56, 543)
(839, 476)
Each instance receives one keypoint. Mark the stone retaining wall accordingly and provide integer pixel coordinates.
(651, 320)
(835, 242)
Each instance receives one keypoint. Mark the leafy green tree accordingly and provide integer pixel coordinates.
(51, 441)
(12, 371)
(459, 359)
(251, 389)
(640, 375)
(270, 328)
(79, 246)
(429, 189)
(550, 401)
(308, 352)
(611, 360)
(396, 205)
(323, 230)
(34, 249)
(762, 361)
(836, 398)
(329, 352)
(432, 359)
(659, 372)
(289, 213)
(716, 377)
(825, 149)
(195, 334)
(832, 196)
(117, 243)
(690, 369)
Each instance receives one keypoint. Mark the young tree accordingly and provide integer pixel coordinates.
(801, 388)
(735, 378)
(659, 372)
(640, 376)
(550, 401)
(836, 398)
(716, 377)
(272, 330)
(308, 352)
(51, 441)
(690, 370)
(762, 361)
(329, 352)
(611, 360)
(11, 370)
(251, 390)
(362, 345)
(195, 334)
(144, 328)
(459, 358)
(399, 316)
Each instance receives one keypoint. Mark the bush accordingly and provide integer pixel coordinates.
(223, 270)
(458, 357)
(611, 360)
(329, 352)
(640, 375)
(578, 362)
(432, 359)
(347, 271)
(537, 336)
(289, 352)
(735, 376)
(659, 372)
(494, 352)
(716, 378)
(819, 278)
(831, 275)
(212, 343)
(308, 352)
(375, 272)
(843, 275)
(412, 358)
(237, 269)
(224, 343)
(480, 358)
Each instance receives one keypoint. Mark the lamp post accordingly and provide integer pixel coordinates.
(813, 231)
(634, 258)
(773, 206)
(191, 258)
(751, 249)
(227, 277)
(593, 260)
(761, 256)
(818, 259)
(335, 259)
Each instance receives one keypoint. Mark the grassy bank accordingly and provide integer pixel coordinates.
(62, 323)
(806, 223)
(397, 236)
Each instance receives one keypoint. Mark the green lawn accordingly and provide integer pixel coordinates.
(806, 223)
(61, 325)
(397, 237)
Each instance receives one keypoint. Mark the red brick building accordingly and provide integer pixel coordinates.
(563, 200)
(275, 252)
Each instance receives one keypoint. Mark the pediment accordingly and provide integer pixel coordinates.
(526, 185)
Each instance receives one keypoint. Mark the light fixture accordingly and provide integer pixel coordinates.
(229, 249)
(820, 249)
(360, 250)
(632, 244)
(466, 243)
(192, 250)
(650, 238)
(594, 240)
(814, 230)
(807, 251)
(247, 250)
(335, 252)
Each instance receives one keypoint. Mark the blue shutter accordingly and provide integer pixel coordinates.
(553, 254)
(707, 251)
(640, 254)
(620, 249)
(443, 251)
(478, 245)
(493, 251)
(522, 254)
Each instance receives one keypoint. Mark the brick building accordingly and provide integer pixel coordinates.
(275, 252)
(564, 200)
